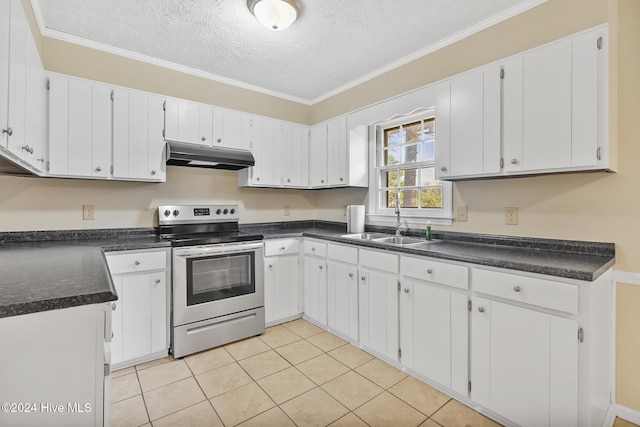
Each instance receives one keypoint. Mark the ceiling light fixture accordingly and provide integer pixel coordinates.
(275, 14)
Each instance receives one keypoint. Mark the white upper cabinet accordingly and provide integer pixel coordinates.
(318, 156)
(544, 110)
(22, 90)
(337, 152)
(232, 129)
(468, 124)
(80, 128)
(138, 145)
(295, 155)
(267, 151)
(188, 122)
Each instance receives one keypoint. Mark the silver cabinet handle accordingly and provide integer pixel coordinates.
(27, 149)
(219, 140)
(481, 309)
(406, 290)
(257, 178)
(282, 248)
(98, 169)
(270, 265)
(322, 181)
(514, 161)
(341, 179)
(157, 281)
(204, 138)
(517, 288)
(153, 173)
(288, 179)
(113, 306)
(363, 278)
(443, 169)
(40, 160)
(350, 274)
(429, 271)
(136, 262)
(313, 249)
(320, 267)
(8, 131)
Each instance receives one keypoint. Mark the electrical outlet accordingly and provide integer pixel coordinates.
(88, 212)
(511, 216)
(287, 210)
(462, 214)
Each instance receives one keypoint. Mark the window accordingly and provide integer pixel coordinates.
(405, 169)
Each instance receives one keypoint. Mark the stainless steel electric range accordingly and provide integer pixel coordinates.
(218, 277)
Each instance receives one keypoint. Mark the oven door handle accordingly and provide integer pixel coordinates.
(222, 249)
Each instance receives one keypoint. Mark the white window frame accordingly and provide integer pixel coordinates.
(442, 216)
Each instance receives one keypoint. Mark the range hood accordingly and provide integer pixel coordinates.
(202, 156)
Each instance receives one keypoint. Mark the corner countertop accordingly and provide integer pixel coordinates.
(42, 271)
(47, 270)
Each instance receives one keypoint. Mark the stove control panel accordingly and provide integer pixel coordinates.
(194, 214)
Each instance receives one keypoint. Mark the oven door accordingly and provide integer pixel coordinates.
(216, 280)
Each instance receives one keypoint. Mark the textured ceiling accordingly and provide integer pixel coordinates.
(333, 44)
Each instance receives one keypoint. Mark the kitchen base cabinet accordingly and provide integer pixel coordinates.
(140, 316)
(281, 281)
(535, 365)
(342, 290)
(315, 281)
(55, 369)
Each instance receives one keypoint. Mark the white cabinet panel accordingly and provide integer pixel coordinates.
(342, 296)
(232, 129)
(295, 155)
(465, 147)
(281, 288)
(188, 122)
(512, 114)
(378, 317)
(5, 32)
(337, 152)
(281, 246)
(116, 323)
(267, 150)
(315, 289)
(318, 156)
(443, 130)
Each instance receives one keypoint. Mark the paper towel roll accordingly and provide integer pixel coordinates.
(355, 219)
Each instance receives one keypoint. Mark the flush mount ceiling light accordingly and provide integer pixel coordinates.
(275, 14)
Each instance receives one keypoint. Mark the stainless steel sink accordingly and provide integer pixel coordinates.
(400, 240)
(365, 236)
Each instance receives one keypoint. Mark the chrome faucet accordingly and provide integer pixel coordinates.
(399, 226)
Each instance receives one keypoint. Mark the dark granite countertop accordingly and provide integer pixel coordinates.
(47, 270)
(41, 271)
(561, 258)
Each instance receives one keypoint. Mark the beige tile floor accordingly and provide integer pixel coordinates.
(295, 374)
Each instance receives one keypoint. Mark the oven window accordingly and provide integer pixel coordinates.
(220, 277)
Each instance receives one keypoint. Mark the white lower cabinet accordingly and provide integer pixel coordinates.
(281, 280)
(378, 302)
(342, 290)
(140, 315)
(315, 289)
(57, 370)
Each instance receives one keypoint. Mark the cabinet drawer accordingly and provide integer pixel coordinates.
(379, 260)
(348, 254)
(529, 290)
(435, 271)
(313, 247)
(136, 262)
(281, 247)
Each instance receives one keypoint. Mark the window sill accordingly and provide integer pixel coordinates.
(411, 219)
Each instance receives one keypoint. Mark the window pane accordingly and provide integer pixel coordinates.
(412, 132)
(392, 156)
(392, 136)
(389, 178)
(409, 198)
(428, 177)
(388, 198)
(412, 153)
(431, 198)
(410, 178)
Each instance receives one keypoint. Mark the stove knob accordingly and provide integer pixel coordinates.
(226, 211)
(219, 211)
(176, 212)
(167, 212)
(232, 211)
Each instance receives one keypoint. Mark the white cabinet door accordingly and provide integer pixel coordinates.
(267, 150)
(315, 289)
(188, 122)
(5, 31)
(159, 310)
(318, 156)
(521, 361)
(337, 152)
(295, 155)
(281, 288)
(136, 316)
(36, 109)
(378, 316)
(232, 129)
(342, 297)
(19, 34)
(138, 145)
(116, 323)
(443, 129)
(80, 125)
